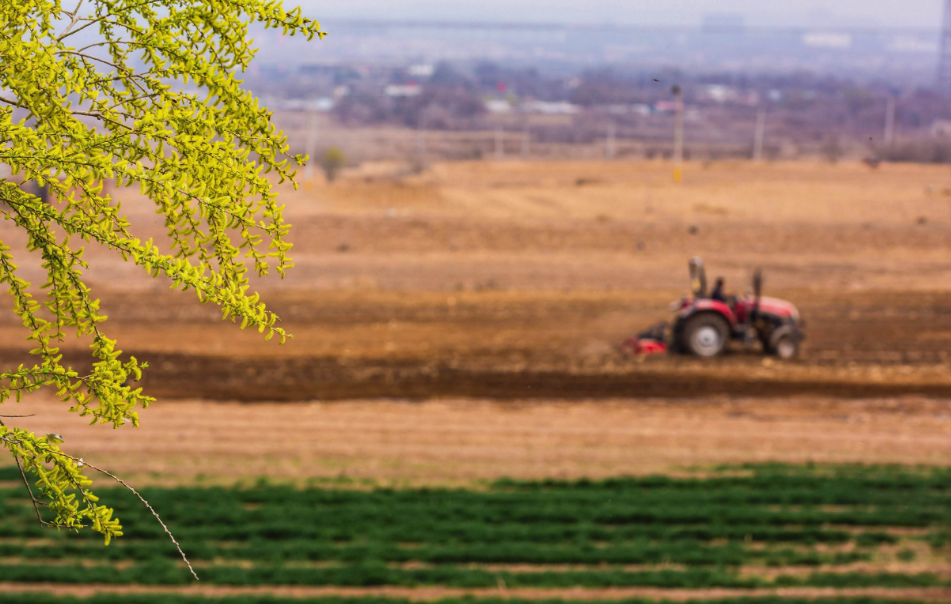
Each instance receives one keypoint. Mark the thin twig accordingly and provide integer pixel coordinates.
(36, 502)
(26, 483)
(15, 417)
(82, 55)
(29, 489)
(90, 21)
(74, 18)
(144, 502)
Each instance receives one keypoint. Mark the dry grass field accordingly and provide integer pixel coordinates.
(548, 226)
(464, 442)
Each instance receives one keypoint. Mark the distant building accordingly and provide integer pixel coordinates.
(941, 129)
(723, 23)
(421, 71)
(912, 44)
(402, 90)
(637, 109)
(719, 93)
(498, 106)
(551, 108)
(324, 104)
(822, 39)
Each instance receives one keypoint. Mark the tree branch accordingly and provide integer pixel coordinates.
(144, 502)
(74, 19)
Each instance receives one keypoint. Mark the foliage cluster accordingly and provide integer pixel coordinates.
(129, 93)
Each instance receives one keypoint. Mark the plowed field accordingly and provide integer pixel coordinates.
(518, 280)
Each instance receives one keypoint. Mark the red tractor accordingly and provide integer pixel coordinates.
(704, 327)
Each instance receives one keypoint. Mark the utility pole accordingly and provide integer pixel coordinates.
(610, 147)
(421, 137)
(678, 133)
(944, 58)
(311, 143)
(759, 138)
(526, 139)
(889, 138)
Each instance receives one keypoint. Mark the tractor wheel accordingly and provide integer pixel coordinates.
(706, 335)
(784, 343)
(786, 346)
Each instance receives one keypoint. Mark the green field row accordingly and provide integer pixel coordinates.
(756, 516)
(372, 575)
(256, 599)
(299, 550)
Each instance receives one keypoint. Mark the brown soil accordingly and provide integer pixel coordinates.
(515, 280)
(513, 346)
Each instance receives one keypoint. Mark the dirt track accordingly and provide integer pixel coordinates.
(459, 441)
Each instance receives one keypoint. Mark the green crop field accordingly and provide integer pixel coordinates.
(172, 599)
(749, 529)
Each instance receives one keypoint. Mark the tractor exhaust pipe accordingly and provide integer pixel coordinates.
(757, 291)
(698, 277)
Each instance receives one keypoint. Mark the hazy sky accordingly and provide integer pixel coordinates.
(896, 13)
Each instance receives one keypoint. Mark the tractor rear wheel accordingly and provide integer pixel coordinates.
(706, 335)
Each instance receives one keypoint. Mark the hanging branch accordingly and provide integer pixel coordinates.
(151, 100)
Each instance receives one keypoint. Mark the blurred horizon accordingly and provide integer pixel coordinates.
(925, 14)
(873, 42)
